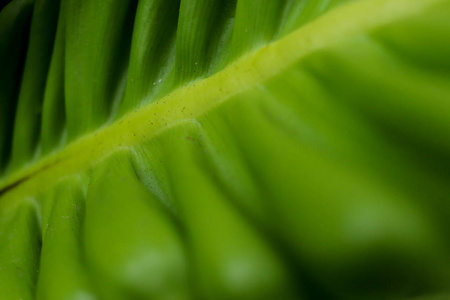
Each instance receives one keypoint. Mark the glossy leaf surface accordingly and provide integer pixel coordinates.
(225, 149)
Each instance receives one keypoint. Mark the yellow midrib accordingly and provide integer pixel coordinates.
(196, 98)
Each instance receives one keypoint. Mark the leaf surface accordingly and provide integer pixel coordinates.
(226, 149)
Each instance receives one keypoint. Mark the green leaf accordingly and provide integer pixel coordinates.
(240, 149)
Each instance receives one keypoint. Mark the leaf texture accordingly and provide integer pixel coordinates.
(224, 149)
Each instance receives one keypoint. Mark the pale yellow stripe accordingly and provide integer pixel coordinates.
(196, 98)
